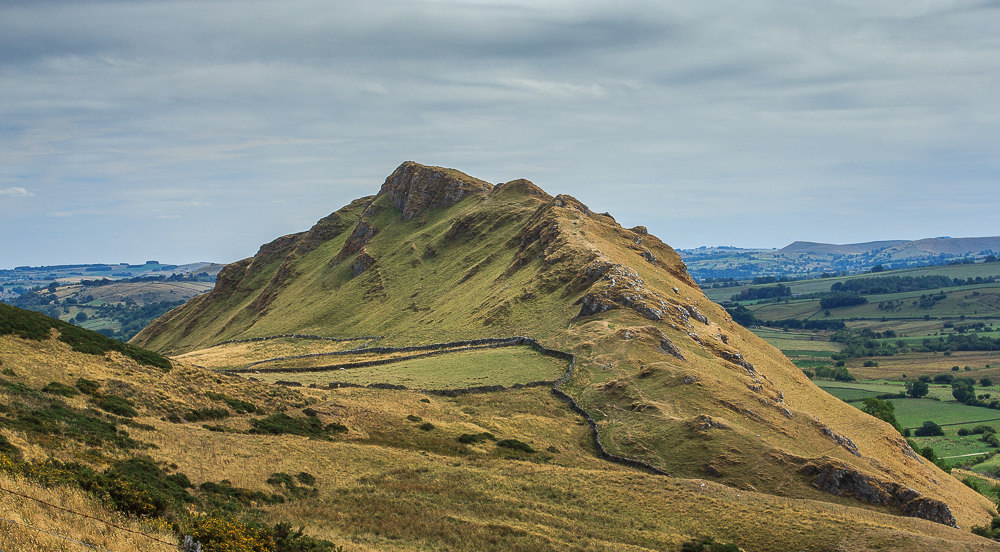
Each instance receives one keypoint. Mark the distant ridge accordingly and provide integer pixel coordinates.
(898, 250)
(817, 248)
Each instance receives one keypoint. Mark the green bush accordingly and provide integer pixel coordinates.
(238, 406)
(56, 419)
(56, 388)
(119, 406)
(426, 426)
(516, 445)
(203, 414)
(87, 386)
(311, 426)
(9, 449)
(414, 418)
(707, 544)
(472, 438)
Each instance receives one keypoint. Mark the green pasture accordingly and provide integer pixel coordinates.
(820, 285)
(506, 367)
(912, 413)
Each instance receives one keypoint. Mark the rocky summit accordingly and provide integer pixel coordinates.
(668, 382)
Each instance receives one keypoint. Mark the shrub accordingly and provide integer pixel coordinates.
(426, 426)
(238, 406)
(279, 424)
(516, 445)
(7, 448)
(87, 386)
(707, 544)
(119, 406)
(414, 418)
(56, 388)
(869, 363)
(203, 414)
(472, 438)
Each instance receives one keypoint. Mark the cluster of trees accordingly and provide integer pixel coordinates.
(189, 277)
(797, 324)
(865, 342)
(960, 342)
(839, 373)
(766, 292)
(839, 299)
(891, 284)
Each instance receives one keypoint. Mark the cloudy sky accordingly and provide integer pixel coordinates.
(196, 130)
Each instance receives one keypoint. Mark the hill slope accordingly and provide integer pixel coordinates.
(385, 481)
(666, 376)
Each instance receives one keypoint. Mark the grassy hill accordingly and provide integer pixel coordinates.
(665, 375)
(408, 471)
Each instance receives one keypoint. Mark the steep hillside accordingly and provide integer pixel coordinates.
(664, 374)
(224, 458)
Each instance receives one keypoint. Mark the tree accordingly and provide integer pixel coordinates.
(81, 316)
(963, 391)
(985, 382)
(883, 410)
(917, 389)
(928, 429)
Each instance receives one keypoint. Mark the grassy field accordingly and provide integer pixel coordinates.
(236, 355)
(506, 367)
(940, 408)
(818, 285)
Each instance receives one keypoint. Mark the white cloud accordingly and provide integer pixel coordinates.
(15, 191)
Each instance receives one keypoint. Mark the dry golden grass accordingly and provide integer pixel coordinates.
(915, 365)
(38, 527)
(389, 485)
(237, 355)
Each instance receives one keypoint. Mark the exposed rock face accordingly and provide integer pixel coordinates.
(363, 262)
(414, 188)
(843, 481)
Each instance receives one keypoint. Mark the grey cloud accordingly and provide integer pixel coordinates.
(281, 112)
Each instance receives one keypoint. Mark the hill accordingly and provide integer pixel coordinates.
(666, 377)
(803, 259)
(234, 462)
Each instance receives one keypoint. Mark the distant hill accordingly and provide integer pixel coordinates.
(666, 378)
(901, 250)
(803, 259)
(813, 248)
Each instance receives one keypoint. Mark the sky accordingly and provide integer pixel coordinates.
(186, 131)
